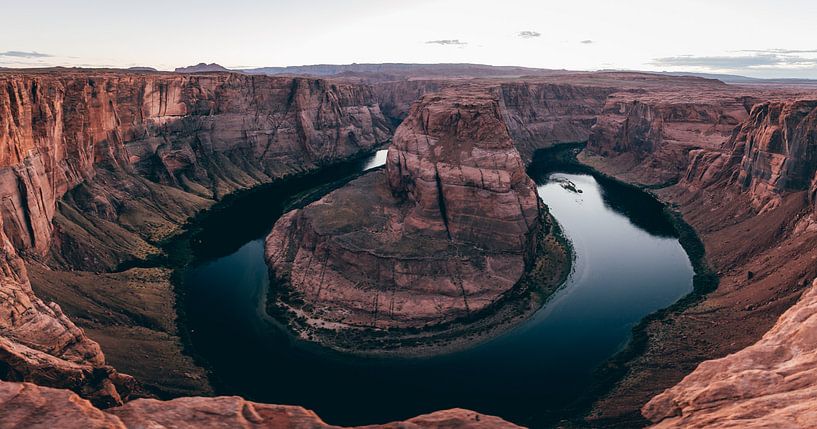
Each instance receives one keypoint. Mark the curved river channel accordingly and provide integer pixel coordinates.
(628, 263)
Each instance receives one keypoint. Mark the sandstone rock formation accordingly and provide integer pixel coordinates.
(749, 202)
(777, 150)
(540, 114)
(772, 383)
(97, 167)
(26, 405)
(39, 343)
(444, 232)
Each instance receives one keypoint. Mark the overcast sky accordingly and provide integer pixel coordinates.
(748, 37)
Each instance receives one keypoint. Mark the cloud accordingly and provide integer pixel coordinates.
(23, 54)
(527, 34)
(780, 51)
(446, 42)
(586, 42)
(760, 59)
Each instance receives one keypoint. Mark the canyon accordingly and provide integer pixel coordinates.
(447, 231)
(98, 168)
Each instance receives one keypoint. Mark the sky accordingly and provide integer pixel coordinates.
(747, 37)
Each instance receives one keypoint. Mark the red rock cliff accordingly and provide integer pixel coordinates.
(447, 230)
(206, 135)
(96, 165)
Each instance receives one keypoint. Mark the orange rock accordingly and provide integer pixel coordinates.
(444, 232)
(26, 405)
(772, 383)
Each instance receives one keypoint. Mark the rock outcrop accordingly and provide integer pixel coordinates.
(772, 383)
(445, 232)
(34, 407)
(97, 167)
(38, 343)
(540, 115)
(777, 151)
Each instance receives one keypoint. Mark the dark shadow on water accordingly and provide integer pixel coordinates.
(643, 211)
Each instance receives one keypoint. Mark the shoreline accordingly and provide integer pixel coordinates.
(178, 251)
(513, 309)
(705, 281)
(610, 377)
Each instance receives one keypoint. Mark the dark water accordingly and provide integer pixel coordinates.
(628, 264)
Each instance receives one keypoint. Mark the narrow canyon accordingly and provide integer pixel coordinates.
(101, 169)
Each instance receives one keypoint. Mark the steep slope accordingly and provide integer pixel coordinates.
(771, 163)
(768, 384)
(97, 167)
(751, 202)
(445, 233)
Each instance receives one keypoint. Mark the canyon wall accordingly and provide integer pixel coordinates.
(768, 169)
(203, 135)
(540, 115)
(774, 152)
(750, 199)
(648, 136)
(97, 167)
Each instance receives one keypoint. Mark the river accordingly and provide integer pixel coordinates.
(628, 264)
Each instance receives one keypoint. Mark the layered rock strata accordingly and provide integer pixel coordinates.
(34, 407)
(445, 232)
(772, 383)
(751, 202)
(98, 167)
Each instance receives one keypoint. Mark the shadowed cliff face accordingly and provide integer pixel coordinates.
(444, 232)
(96, 167)
(539, 115)
(777, 151)
(204, 135)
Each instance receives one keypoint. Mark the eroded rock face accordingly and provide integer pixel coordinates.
(772, 383)
(31, 406)
(444, 232)
(652, 134)
(542, 114)
(777, 151)
(206, 135)
(39, 343)
(96, 167)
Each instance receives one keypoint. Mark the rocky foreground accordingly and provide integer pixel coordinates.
(443, 234)
(27, 405)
